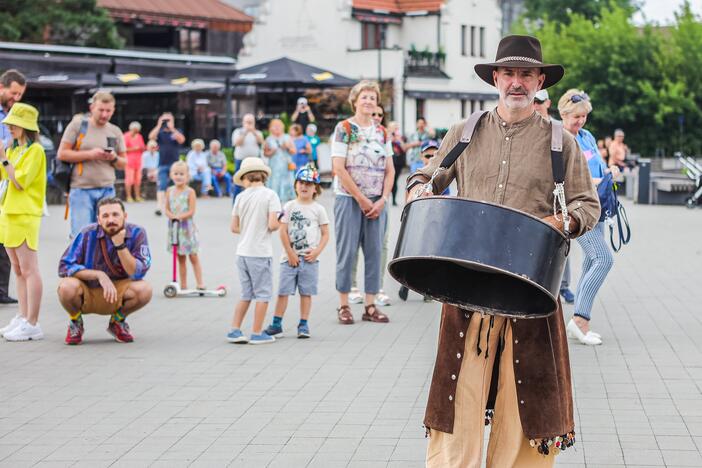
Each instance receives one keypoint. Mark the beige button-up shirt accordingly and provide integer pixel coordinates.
(510, 164)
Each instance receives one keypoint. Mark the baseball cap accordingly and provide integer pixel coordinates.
(426, 144)
(541, 96)
(307, 173)
(301, 100)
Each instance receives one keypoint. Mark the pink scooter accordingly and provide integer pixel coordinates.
(172, 289)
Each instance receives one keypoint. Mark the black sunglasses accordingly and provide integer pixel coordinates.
(576, 98)
(375, 114)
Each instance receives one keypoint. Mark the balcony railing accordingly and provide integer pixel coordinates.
(425, 63)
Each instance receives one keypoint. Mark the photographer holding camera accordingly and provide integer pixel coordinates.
(169, 140)
(303, 114)
(95, 148)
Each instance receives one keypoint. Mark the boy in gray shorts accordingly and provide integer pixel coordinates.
(254, 217)
(304, 233)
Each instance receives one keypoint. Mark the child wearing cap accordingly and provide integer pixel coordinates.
(304, 233)
(254, 217)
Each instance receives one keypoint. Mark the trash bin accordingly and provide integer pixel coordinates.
(643, 195)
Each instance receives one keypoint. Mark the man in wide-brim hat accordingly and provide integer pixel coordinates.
(513, 373)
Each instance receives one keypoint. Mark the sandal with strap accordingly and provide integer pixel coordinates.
(376, 316)
(345, 315)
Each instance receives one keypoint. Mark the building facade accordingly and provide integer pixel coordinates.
(422, 50)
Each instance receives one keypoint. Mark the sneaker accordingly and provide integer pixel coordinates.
(120, 330)
(130, 200)
(16, 320)
(355, 296)
(274, 330)
(303, 331)
(263, 338)
(382, 299)
(25, 331)
(158, 212)
(74, 334)
(8, 300)
(567, 295)
(235, 336)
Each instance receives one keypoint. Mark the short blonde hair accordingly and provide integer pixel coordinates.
(102, 96)
(275, 122)
(135, 125)
(363, 85)
(198, 142)
(567, 106)
(152, 144)
(180, 165)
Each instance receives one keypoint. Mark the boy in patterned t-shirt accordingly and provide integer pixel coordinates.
(304, 233)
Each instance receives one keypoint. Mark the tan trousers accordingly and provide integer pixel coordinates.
(508, 447)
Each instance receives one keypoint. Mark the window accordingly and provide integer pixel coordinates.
(373, 35)
(482, 105)
(472, 106)
(482, 41)
(463, 108)
(420, 109)
(464, 50)
(192, 41)
(472, 41)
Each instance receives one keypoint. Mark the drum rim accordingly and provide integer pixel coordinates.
(496, 205)
(495, 269)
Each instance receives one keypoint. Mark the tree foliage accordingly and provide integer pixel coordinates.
(561, 11)
(641, 79)
(69, 22)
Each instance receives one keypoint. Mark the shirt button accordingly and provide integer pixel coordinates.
(451, 398)
(522, 402)
(458, 355)
(453, 376)
(500, 186)
(507, 138)
(504, 124)
(516, 341)
(504, 162)
(460, 334)
(516, 361)
(514, 320)
(519, 382)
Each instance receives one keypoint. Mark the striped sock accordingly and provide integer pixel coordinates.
(277, 321)
(119, 316)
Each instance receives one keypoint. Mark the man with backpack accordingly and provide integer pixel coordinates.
(94, 148)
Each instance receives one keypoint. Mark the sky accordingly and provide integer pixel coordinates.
(662, 11)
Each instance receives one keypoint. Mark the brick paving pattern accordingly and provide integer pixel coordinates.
(352, 396)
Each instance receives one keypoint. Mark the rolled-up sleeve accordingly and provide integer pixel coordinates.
(73, 259)
(141, 253)
(581, 195)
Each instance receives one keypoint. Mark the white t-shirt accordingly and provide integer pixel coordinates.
(252, 206)
(249, 148)
(304, 221)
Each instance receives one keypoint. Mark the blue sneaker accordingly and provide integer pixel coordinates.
(274, 330)
(235, 336)
(303, 331)
(567, 295)
(263, 338)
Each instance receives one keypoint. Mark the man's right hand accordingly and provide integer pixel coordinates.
(365, 204)
(293, 260)
(417, 192)
(109, 291)
(96, 154)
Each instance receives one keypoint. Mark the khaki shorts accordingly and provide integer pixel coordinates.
(94, 301)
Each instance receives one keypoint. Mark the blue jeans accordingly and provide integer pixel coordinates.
(237, 189)
(227, 177)
(205, 179)
(83, 203)
(163, 178)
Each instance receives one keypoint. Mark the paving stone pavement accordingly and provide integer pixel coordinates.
(352, 396)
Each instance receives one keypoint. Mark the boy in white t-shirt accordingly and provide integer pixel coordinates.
(255, 216)
(304, 233)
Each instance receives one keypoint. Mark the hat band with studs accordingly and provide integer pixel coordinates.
(516, 58)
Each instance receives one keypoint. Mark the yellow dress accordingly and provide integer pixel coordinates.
(21, 212)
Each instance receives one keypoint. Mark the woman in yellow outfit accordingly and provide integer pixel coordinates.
(24, 167)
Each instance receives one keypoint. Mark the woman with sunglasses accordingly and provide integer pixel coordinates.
(574, 106)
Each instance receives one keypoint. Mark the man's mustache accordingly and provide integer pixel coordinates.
(517, 91)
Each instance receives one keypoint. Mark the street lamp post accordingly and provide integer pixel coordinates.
(381, 44)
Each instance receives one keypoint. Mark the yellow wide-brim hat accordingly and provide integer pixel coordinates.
(23, 116)
(250, 165)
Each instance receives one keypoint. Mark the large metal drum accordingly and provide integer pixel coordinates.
(480, 256)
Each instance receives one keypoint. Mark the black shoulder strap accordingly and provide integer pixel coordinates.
(557, 161)
(466, 137)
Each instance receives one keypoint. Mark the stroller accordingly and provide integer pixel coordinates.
(694, 172)
(172, 289)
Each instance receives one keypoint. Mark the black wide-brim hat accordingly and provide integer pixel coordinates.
(520, 52)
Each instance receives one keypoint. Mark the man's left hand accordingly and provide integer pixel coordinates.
(377, 208)
(118, 239)
(553, 221)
